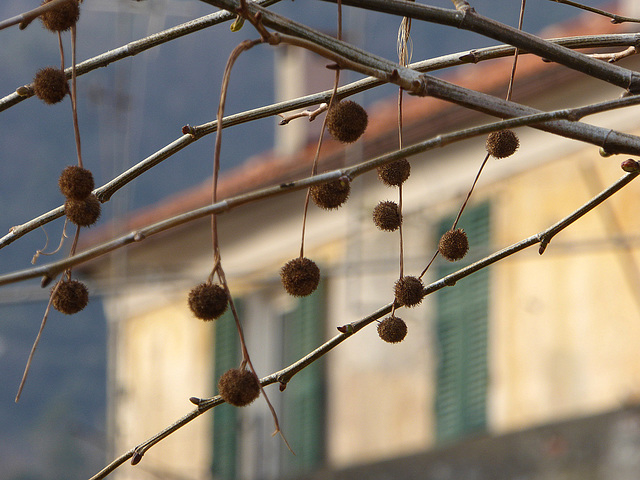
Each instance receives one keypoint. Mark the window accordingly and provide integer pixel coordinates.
(225, 417)
(302, 412)
(461, 322)
(300, 407)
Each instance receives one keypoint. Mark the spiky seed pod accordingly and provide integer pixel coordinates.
(332, 194)
(239, 387)
(62, 17)
(454, 245)
(76, 182)
(502, 144)
(83, 213)
(395, 173)
(392, 329)
(347, 121)
(408, 291)
(208, 301)
(50, 85)
(300, 277)
(70, 297)
(387, 216)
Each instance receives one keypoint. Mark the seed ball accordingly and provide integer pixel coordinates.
(332, 194)
(454, 245)
(239, 387)
(208, 301)
(408, 291)
(395, 173)
(502, 144)
(83, 213)
(70, 297)
(62, 17)
(50, 85)
(300, 276)
(76, 182)
(392, 330)
(387, 216)
(346, 121)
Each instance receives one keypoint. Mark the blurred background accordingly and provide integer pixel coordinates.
(128, 111)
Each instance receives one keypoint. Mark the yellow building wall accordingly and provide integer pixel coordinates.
(164, 358)
(565, 326)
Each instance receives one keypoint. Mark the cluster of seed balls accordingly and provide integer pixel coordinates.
(81, 206)
(50, 84)
(388, 217)
(76, 184)
(238, 386)
(453, 245)
(346, 122)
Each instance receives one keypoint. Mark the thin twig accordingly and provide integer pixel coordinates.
(314, 165)
(615, 18)
(74, 95)
(523, 4)
(37, 340)
(617, 56)
(310, 114)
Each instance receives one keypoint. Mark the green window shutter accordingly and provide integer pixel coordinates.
(302, 415)
(462, 317)
(225, 417)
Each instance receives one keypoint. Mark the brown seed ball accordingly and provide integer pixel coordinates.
(300, 277)
(62, 17)
(50, 85)
(332, 194)
(347, 121)
(454, 245)
(76, 182)
(408, 291)
(392, 329)
(239, 387)
(395, 173)
(502, 144)
(83, 213)
(71, 297)
(387, 216)
(208, 301)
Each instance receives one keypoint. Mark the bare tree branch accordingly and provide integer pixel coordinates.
(467, 20)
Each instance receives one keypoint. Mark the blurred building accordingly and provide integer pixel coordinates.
(527, 369)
